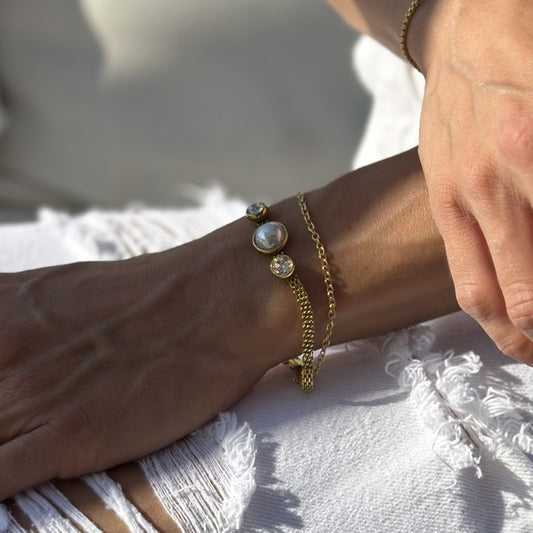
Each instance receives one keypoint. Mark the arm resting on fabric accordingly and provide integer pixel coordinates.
(387, 258)
(121, 358)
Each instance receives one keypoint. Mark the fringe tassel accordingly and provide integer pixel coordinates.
(205, 480)
(111, 494)
(43, 515)
(466, 421)
(61, 502)
(7, 523)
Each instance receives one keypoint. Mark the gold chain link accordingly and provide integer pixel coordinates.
(304, 369)
(327, 281)
(405, 29)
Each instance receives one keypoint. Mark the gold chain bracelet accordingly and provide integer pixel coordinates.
(327, 281)
(405, 29)
(270, 237)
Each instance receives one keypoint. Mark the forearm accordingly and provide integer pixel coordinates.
(387, 258)
(391, 261)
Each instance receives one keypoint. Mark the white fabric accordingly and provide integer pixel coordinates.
(112, 496)
(45, 517)
(356, 456)
(198, 502)
(366, 451)
(397, 91)
(67, 509)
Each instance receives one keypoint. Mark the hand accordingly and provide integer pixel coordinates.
(476, 149)
(104, 362)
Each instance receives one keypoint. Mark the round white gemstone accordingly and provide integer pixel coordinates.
(255, 209)
(282, 266)
(270, 237)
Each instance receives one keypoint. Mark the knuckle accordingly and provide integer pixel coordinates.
(519, 305)
(446, 208)
(472, 300)
(516, 134)
(443, 201)
(75, 422)
(443, 191)
(479, 181)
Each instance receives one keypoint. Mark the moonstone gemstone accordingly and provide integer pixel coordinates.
(270, 237)
(282, 266)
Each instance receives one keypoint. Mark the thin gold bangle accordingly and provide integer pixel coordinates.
(332, 304)
(270, 237)
(404, 31)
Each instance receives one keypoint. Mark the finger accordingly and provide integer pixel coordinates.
(27, 460)
(476, 283)
(507, 226)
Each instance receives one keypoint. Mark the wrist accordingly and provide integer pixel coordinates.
(254, 313)
(386, 275)
(427, 36)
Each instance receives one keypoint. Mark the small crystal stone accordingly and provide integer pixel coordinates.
(256, 211)
(270, 237)
(282, 266)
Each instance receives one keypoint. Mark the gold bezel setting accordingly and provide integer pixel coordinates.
(282, 266)
(257, 212)
(278, 247)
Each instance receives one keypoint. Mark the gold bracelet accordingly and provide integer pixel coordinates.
(270, 237)
(404, 30)
(327, 281)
